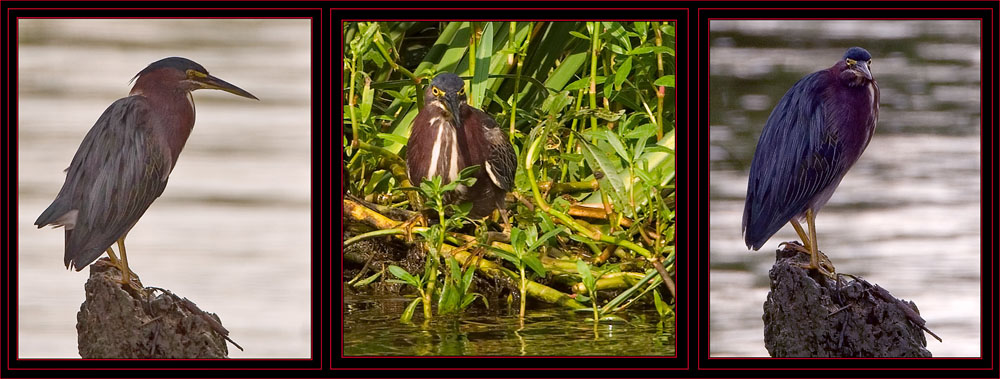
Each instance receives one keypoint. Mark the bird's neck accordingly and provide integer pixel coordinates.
(176, 111)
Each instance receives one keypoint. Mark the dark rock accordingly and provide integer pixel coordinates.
(121, 321)
(809, 315)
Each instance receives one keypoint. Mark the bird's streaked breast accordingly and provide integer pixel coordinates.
(444, 141)
(436, 150)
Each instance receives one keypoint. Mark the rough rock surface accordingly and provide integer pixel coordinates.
(809, 315)
(121, 321)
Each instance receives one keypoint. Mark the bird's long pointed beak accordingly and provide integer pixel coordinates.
(863, 68)
(211, 82)
(454, 106)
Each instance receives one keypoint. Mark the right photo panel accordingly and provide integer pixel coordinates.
(845, 187)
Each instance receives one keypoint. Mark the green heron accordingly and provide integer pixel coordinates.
(814, 135)
(448, 135)
(123, 163)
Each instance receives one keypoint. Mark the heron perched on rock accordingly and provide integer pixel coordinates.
(814, 135)
(448, 135)
(123, 163)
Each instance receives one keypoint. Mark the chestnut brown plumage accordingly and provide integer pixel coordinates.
(448, 135)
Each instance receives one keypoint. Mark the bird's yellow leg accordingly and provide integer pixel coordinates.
(113, 257)
(802, 233)
(506, 221)
(127, 274)
(804, 248)
(814, 257)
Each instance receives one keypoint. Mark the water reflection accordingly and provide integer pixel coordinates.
(907, 216)
(372, 327)
(231, 231)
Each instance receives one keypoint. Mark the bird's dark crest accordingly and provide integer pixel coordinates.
(858, 54)
(181, 64)
(448, 82)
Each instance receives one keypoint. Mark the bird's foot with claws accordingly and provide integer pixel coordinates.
(133, 279)
(408, 225)
(824, 266)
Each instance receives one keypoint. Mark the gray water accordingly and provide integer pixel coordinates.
(905, 217)
(231, 232)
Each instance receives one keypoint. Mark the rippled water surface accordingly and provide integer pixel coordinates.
(231, 231)
(372, 327)
(907, 216)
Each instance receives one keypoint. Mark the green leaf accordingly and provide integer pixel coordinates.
(579, 35)
(665, 81)
(661, 306)
(556, 102)
(466, 300)
(449, 299)
(613, 181)
(607, 115)
(652, 49)
(456, 272)
(642, 132)
(546, 237)
(408, 313)
(622, 73)
(484, 50)
(584, 83)
(640, 27)
(569, 157)
(640, 146)
(532, 261)
(366, 99)
(467, 278)
(517, 238)
(584, 270)
(392, 138)
(397, 95)
(617, 144)
(368, 280)
(660, 149)
(508, 257)
(399, 272)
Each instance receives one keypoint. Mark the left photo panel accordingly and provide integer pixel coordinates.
(143, 233)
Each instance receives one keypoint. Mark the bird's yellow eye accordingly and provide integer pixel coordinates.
(461, 91)
(869, 62)
(436, 91)
(195, 74)
(851, 62)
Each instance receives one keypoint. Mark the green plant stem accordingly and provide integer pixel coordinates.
(530, 157)
(514, 51)
(355, 128)
(660, 90)
(372, 234)
(575, 127)
(593, 304)
(524, 289)
(595, 38)
(472, 56)
(380, 45)
(431, 284)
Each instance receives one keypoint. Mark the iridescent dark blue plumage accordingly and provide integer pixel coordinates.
(815, 133)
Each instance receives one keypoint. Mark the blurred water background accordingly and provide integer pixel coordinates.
(231, 232)
(906, 217)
